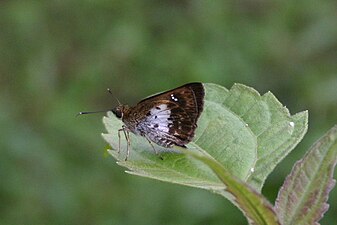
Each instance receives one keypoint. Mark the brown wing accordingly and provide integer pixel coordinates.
(183, 106)
(189, 91)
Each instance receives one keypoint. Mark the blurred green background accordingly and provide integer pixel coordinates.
(58, 58)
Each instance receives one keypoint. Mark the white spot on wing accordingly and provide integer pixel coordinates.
(174, 98)
(159, 116)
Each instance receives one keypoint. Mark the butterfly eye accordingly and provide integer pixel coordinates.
(118, 112)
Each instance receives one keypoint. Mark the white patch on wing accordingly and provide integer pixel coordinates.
(159, 118)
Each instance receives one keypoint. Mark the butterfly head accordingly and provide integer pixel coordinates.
(120, 110)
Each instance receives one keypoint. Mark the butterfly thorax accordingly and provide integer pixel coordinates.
(123, 112)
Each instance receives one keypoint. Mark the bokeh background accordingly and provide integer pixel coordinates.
(58, 57)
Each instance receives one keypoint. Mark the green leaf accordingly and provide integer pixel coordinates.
(303, 196)
(244, 132)
(276, 131)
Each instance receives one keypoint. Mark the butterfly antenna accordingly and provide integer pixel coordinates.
(101, 111)
(91, 112)
(110, 92)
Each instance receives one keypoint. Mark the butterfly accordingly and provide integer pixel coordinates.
(167, 119)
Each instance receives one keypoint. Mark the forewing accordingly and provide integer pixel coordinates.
(171, 116)
(190, 97)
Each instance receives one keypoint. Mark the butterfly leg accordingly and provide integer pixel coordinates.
(127, 137)
(154, 149)
(128, 146)
(119, 140)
